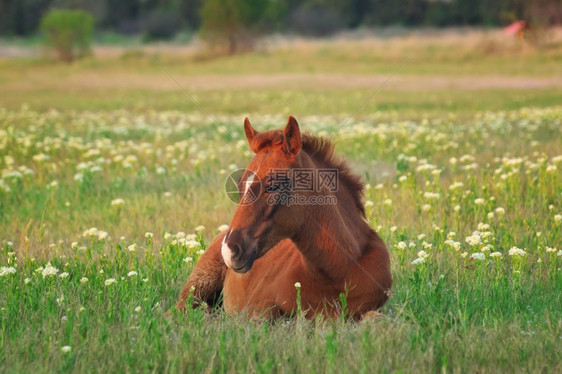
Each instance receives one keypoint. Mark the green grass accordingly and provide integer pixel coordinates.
(407, 105)
(457, 75)
(449, 313)
(442, 165)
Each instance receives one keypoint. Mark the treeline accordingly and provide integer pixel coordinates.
(163, 18)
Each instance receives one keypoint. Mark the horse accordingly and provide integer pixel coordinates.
(292, 250)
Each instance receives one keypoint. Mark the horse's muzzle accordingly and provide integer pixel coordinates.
(245, 267)
(236, 255)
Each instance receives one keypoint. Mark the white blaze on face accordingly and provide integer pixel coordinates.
(249, 182)
(226, 252)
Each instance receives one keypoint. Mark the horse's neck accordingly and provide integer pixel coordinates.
(333, 237)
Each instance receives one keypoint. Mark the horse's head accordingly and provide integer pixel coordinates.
(263, 217)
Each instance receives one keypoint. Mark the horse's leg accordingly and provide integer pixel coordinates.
(206, 281)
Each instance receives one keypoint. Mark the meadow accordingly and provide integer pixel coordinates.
(112, 185)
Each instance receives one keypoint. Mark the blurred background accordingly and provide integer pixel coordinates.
(274, 56)
(182, 19)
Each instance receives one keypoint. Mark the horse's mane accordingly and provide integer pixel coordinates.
(322, 149)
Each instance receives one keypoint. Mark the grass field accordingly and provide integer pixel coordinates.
(112, 185)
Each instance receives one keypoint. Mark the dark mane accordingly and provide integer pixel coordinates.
(323, 150)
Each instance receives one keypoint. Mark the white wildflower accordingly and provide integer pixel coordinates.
(41, 157)
(7, 270)
(483, 226)
(49, 270)
(479, 201)
(117, 202)
(103, 235)
(453, 244)
(515, 251)
(456, 185)
(90, 233)
(425, 167)
(478, 256)
(431, 195)
(473, 240)
(486, 248)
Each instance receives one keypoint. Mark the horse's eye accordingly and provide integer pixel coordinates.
(274, 187)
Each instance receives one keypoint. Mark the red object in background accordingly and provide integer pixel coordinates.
(516, 27)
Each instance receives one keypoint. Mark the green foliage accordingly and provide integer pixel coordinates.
(319, 18)
(234, 24)
(161, 24)
(68, 32)
(312, 17)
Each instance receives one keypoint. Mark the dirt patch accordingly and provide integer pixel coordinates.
(285, 81)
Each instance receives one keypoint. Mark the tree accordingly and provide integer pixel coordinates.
(235, 24)
(69, 32)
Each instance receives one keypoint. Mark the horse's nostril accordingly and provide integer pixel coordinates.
(235, 249)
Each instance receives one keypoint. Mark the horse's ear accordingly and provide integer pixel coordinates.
(292, 135)
(250, 132)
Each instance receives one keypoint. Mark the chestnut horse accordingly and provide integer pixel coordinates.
(272, 246)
